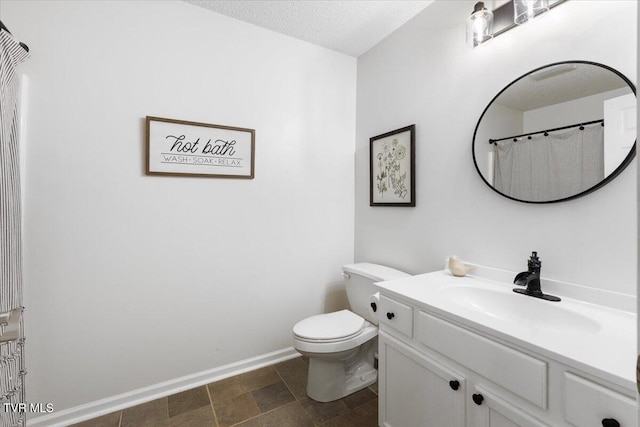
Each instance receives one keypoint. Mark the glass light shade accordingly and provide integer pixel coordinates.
(526, 10)
(479, 26)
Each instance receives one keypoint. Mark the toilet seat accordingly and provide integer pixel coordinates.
(330, 327)
(332, 332)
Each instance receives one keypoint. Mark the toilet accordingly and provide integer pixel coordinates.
(341, 346)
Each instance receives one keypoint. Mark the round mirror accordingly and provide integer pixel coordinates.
(556, 133)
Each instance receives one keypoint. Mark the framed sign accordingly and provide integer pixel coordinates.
(392, 168)
(177, 147)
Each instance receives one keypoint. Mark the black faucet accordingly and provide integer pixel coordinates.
(531, 279)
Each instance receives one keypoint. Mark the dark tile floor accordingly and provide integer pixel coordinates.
(273, 396)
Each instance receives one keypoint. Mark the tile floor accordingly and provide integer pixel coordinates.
(273, 396)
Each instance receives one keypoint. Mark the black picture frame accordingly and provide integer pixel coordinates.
(392, 177)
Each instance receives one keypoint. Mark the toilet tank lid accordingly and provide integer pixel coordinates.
(375, 272)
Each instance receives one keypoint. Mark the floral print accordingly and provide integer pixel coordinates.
(389, 175)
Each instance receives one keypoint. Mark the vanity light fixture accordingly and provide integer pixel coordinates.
(479, 26)
(527, 10)
(483, 25)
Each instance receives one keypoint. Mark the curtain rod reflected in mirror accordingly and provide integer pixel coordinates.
(546, 131)
(548, 142)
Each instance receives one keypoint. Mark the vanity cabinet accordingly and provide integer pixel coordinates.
(434, 371)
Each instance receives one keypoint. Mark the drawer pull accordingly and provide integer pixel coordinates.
(454, 384)
(390, 316)
(610, 422)
(478, 399)
(374, 307)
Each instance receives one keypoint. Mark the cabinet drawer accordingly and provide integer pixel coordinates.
(397, 315)
(517, 372)
(588, 403)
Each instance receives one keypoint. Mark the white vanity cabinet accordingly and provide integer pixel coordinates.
(438, 371)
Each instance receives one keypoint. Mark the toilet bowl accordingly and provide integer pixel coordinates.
(341, 346)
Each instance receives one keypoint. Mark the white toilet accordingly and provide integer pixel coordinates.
(341, 346)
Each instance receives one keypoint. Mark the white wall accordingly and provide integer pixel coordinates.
(133, 280)
(424, 74)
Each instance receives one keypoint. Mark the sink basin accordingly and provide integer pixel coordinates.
(520, 310)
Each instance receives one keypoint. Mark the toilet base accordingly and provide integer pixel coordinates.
(332, 380)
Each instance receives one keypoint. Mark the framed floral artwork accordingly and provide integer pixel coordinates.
(392, 168)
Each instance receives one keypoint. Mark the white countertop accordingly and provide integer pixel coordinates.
(598, 340)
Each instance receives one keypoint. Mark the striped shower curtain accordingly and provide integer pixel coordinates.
(11, 331)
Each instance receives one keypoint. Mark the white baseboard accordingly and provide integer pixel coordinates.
(167, 388)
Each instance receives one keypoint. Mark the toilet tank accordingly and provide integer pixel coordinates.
(359, 280)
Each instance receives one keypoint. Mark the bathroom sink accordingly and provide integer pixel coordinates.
(522, 311)
(588, 328)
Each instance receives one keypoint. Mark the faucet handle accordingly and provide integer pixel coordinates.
(534, 262)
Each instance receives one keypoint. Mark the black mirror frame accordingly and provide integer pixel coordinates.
(602, 183)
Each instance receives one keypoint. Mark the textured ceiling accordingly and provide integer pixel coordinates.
(348, 26)
(563, 84)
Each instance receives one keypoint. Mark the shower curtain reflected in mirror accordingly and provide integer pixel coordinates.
(552, 167)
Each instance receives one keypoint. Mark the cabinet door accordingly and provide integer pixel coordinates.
(488, 410)
(415, 390)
